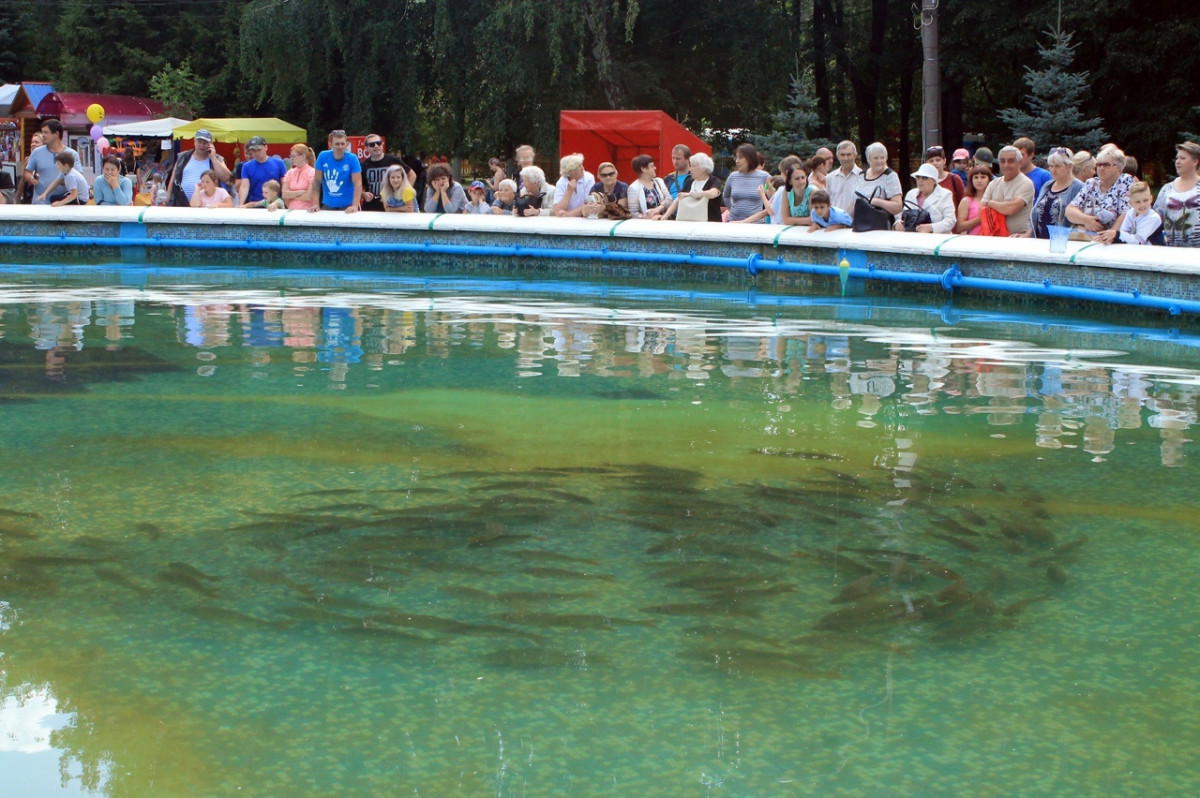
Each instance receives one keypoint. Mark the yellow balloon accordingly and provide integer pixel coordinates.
(95, 112)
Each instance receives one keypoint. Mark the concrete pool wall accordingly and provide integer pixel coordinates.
(1158, 280)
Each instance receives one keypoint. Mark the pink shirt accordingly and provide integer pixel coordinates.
(218, 196)
(299, 178)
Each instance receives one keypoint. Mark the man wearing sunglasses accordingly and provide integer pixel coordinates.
(374, 168)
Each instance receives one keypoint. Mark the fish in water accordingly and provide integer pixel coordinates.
(842, 641)
(15, 532)
(520, 596)
(471, 593)
(434, 623)
(195, 573)
(548, 556)
(328, 492)
(511, 484)
(563, 573)
(702, 609)
(413, 490)
(179, 578)
(228, 617)
(152, 531)
(728, 633)
(487, 541)
(318, 615)
(772, 451)
(961, 543)
(4, 511)
(1018, 607)
(532, 658)
(757, 662)
(628, 393)
(1061, 553)
(570, 620)
(863, 586)
(119, 578)
(866, 615)
(52, 560)
(386, 633)
(1056, 574)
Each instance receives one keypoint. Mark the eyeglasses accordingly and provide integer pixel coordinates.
(374, 143)
(336, 133)
(1105, 163)
(608, 174)
(1060, 151)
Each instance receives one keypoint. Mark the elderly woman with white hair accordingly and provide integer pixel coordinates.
(535, 195)
(572, 190)
(1100, 206)
(878, 184)
(929, 197)
(1050, 207)
(699, 185)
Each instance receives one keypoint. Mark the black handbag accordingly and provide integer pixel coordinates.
(913, 216)
(867, 217)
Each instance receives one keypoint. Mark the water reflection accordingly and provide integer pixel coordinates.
(1080, 398)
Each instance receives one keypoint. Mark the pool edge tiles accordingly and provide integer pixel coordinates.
(1151, 280)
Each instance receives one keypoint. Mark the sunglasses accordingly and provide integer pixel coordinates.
(374, 143)
(608, 174)
(1105, 163)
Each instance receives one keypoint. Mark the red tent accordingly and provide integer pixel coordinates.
(618, 136)
(119, 109)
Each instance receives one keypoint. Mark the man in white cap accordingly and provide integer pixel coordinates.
(193, 163)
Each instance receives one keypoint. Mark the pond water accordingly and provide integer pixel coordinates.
(277, 533)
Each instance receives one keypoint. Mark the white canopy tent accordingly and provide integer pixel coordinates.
(153, 129)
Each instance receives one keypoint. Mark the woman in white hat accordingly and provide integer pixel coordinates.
(931, 197)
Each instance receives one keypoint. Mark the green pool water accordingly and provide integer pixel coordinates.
(288, 534)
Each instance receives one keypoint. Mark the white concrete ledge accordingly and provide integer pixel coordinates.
(949, 247)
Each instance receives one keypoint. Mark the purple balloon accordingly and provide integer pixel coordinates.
(97, 132)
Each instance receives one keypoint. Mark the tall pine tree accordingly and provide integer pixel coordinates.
(1056, 95)
(791, 129)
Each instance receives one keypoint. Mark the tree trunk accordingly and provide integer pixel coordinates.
(820, 19)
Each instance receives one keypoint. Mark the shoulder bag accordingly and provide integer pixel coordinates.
(913, 216)
(867, 217)
(693, 207)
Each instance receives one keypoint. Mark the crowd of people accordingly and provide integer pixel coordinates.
(1008, 194)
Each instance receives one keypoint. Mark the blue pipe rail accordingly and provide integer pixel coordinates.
(950, 279)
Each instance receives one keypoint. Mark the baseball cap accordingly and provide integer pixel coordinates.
(479, 185)
(961, 154)
(984, 155)
(255, 142)
(203, 135)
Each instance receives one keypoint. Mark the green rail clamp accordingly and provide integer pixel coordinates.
(1081, 249)
(283, 216)
(786, 228)
(612, 231)
(937, 251)
(436, 216)
(143, 213)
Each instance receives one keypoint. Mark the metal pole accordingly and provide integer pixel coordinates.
(931, 118)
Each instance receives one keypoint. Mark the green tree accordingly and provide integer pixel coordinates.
(179, 89)
(1056, 94)
(793, 126)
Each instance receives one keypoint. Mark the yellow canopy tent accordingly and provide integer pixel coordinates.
(239, 130)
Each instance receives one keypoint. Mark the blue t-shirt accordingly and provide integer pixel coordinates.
(1040, 177)
(258, 173)
(836, 216)
(337, 181)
